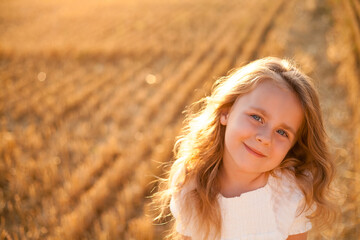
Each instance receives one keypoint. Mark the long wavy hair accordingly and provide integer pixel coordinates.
(200, 146)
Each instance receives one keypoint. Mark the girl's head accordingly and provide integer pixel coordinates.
(268, 106)
(261, 127)
(265, 115)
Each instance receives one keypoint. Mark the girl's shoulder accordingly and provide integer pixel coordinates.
(180, 186)
(286, 192)
(288, 204)
(177, 203)
(178, 180)
(283, 182)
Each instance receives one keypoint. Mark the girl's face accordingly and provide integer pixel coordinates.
(261, 128)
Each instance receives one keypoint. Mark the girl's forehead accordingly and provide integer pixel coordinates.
(275, 101)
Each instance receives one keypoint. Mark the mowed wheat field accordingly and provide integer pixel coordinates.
(92, 95)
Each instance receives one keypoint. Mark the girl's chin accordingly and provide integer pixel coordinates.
(249, 168)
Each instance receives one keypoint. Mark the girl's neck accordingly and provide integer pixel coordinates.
(235, 183)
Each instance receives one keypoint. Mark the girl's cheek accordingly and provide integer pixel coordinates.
(283, 147)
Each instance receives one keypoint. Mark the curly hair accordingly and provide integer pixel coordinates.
(200, 147)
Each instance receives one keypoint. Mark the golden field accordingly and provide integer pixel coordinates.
(92, 94)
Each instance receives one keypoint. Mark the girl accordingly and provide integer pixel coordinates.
(252, 162)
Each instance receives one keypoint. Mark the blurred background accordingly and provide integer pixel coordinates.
(92, 94)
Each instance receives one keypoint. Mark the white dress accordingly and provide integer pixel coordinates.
(267, 213)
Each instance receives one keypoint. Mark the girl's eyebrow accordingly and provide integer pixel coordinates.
(283, 125)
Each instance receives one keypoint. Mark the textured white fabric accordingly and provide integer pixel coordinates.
(267, 213)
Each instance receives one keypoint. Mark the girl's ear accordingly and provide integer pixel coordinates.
(224, 117)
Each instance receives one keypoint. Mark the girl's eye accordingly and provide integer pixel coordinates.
(282, 133)
(256, 117)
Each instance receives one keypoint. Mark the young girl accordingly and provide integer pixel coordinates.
(253, 162)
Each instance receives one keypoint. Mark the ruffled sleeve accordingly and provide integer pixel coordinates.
(175, 206)
(183, 225)
(288, 201)
(301, 223)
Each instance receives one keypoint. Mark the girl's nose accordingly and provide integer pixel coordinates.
(263, 137)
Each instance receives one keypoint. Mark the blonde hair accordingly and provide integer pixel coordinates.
(199, 149)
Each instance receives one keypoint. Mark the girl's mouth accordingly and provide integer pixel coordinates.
(253, 151)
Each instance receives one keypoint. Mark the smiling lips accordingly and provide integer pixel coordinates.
(253, 151)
